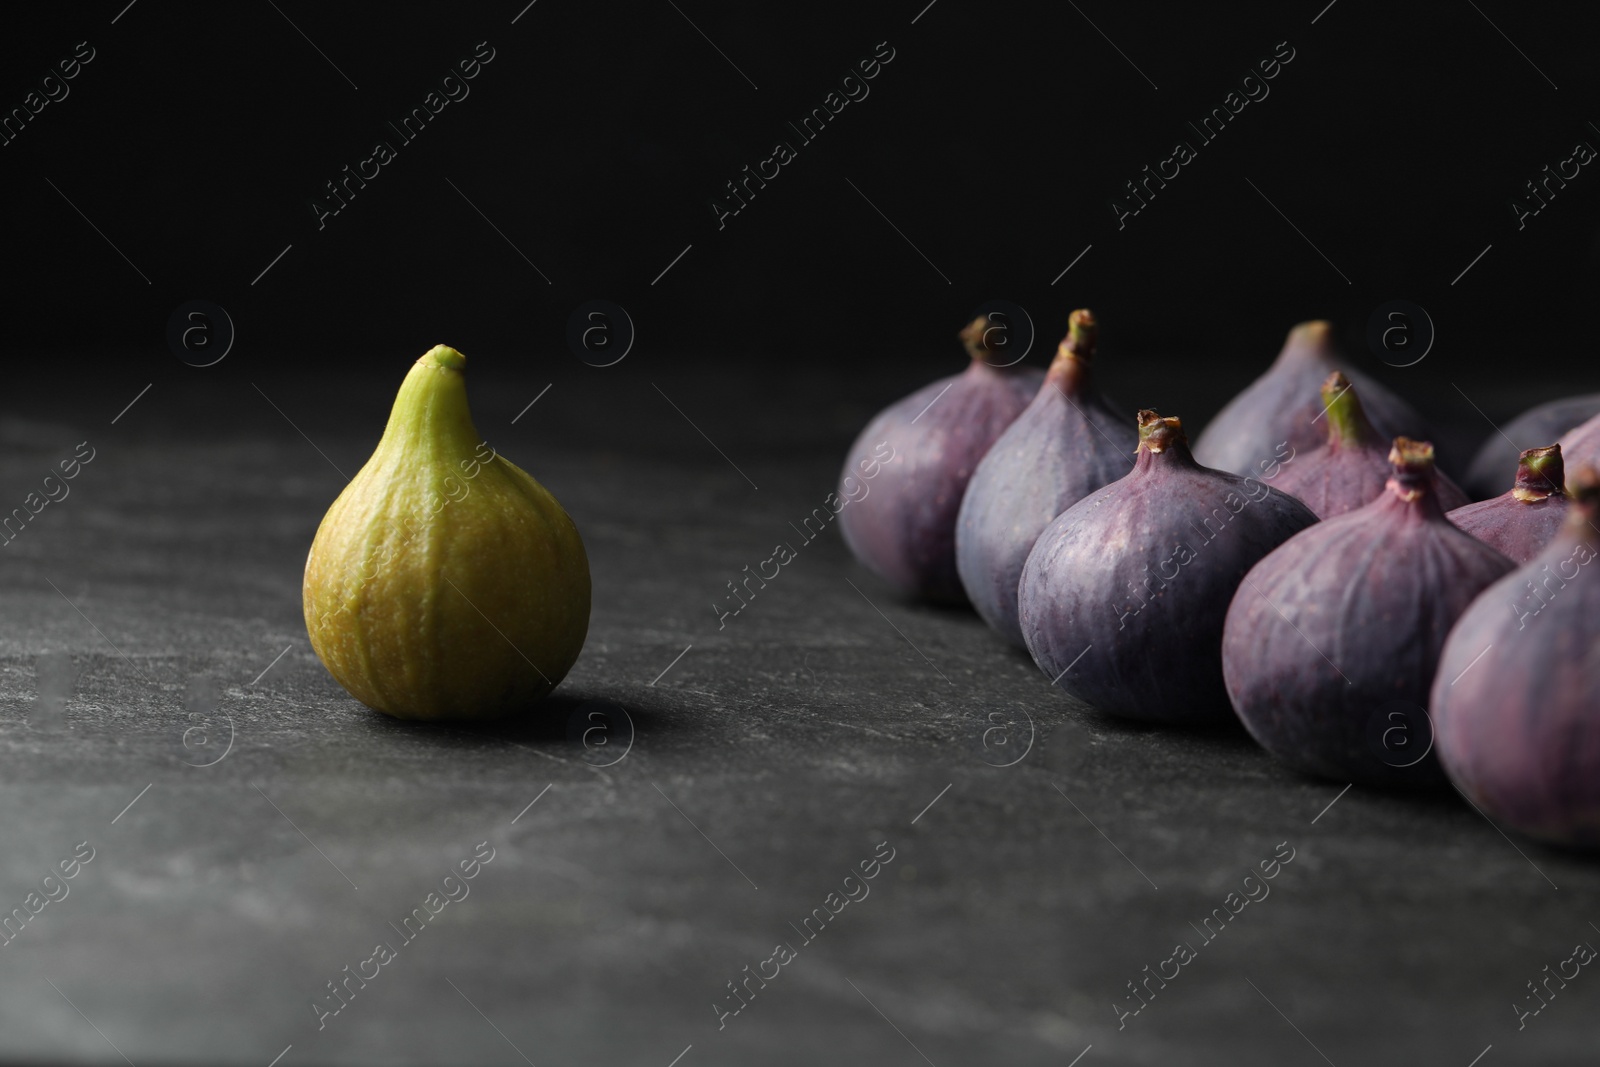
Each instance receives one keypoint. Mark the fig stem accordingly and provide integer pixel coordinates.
(975, 336)
(1413, 475)
(1347, 419)
(1082, 330)
(1540, 472)
(1157, 434)
(1069, 371)
(445, 357)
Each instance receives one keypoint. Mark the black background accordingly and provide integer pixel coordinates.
(994, 140)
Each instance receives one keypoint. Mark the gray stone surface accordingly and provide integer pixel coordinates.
(769, 759)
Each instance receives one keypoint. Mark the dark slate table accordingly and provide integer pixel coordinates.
(255, 831)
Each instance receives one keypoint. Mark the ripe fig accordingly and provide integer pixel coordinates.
(1280, 407)
(1518, 524)
(902, 526)
(1332, 641)
(1066, 444)
(1514, 702)
(444, 582)
(1123, 596)
(1352, 467)
(1547, 422)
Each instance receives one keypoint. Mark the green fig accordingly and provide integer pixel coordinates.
(444, 582)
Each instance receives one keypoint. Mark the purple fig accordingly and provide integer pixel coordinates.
(1547, 422)
(1349, 470)
(1067, 444)
(1123, 596)
(1332, 641)
(1514, 703)
(1280, 409)
(1580, 446)
(905, 474)
(1518, 524)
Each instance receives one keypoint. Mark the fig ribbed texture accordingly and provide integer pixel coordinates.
(1123, 597)
(1066, 444)
(1516, 704)
(903, 528)
(445, 582)
(1332, 641)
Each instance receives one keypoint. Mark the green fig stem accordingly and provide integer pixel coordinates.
(1157, 434)
(1413, 475)
(1069, 371)
(445, 356)
(1540, 472)
(431, 418)
(1347, 420)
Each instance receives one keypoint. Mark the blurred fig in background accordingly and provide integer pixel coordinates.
(1547, 422)
(1332, 641)
(1520, 523)
(1123, 596)
(900, 521)
(1580, 446)
(1282, 406)
(1351, 468)
(1066, 444)
(1515, 702)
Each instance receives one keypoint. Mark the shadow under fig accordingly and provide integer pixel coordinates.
(568, 721)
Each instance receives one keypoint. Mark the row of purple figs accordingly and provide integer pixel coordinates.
(1306, 567)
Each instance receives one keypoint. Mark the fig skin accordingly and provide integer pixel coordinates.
(902, 527)
(1351, 467)
(444, 582)
(1520, 523)
(1514, 703)
(1067, 443)
(1547, 422)
(1097, 580)
(1280, 407)
(1348, 619)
